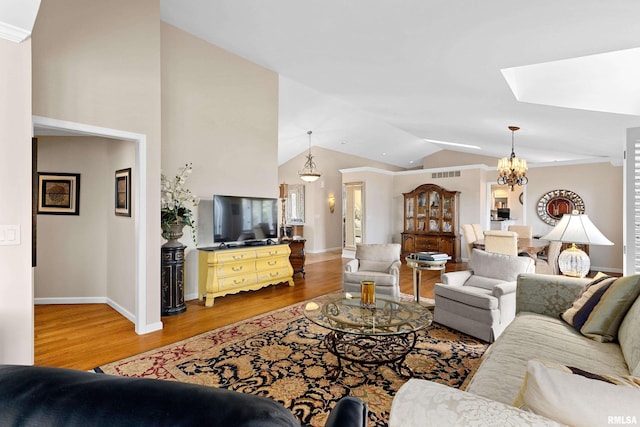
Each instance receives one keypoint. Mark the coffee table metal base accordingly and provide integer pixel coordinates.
(371, 350)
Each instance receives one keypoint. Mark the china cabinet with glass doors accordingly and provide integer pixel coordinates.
(431, 221)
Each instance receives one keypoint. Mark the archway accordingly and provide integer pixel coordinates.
(140, 213)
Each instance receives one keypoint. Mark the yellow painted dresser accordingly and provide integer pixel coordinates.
(229, 271)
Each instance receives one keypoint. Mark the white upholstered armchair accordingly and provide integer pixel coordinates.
(481, 301)
(379, 262)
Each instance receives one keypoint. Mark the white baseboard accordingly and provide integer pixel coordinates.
(321, 251)
(190, 297)
(89, 300)
(124, 312)
(73, 300)
(151, 327)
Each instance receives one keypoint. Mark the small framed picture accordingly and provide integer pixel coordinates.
(123, 192)
(58, 193)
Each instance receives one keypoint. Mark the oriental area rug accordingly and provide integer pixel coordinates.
(281, 355)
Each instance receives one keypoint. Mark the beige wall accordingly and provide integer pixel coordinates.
(323, 229)
(72, 250)
(98, 63)
(220, 112)
(16, 291)
(471, 184)
(600, 186)
(121, 253)
(90, 257)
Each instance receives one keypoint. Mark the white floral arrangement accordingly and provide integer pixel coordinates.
(175, 197)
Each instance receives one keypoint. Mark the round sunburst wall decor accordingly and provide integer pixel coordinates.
(553, 204)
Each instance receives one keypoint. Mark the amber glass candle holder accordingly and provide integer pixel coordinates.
(368, 293)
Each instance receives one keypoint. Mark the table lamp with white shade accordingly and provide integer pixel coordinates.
(576, 228)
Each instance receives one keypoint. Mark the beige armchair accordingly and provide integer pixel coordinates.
(481, 301)
(379, 262)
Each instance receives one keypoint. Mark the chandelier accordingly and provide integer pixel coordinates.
(309, 172)
(512, 170)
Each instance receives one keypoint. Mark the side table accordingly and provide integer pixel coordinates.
(172, 276)
(297, 256)
(418, 267)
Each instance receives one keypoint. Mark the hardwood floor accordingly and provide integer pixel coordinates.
(88, 335)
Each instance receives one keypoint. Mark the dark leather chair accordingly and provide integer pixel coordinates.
(44, 396)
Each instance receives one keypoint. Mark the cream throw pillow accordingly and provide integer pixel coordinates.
(579, 398)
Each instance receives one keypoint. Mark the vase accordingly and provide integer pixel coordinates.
(172, 232)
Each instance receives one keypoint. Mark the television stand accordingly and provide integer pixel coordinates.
(247, 268)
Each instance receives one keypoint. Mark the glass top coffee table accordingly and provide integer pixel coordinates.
(382, 334)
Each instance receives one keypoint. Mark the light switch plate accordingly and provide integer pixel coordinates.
(9, 235)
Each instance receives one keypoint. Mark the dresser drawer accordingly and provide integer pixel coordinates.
(233, 282)
(235, 268)
(271, 263)
(426, 243)
(273, 251)
(235, 256)
(278, 274)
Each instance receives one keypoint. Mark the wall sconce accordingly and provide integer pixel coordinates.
(332, 203)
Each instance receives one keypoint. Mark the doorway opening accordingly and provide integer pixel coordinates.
(353, 222)
(61, 127)
(501, 201)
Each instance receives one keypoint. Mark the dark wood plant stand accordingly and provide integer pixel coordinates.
(172, 272)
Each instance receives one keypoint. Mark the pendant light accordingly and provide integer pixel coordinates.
(309, 172)
(512, 170)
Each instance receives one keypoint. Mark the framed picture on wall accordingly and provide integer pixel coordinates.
(58, 193)
(123, 192)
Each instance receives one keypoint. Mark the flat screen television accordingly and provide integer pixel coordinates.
(244, 219)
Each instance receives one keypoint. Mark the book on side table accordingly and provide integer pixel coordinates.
(430, 256)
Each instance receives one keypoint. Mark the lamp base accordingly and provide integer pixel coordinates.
(574, 262)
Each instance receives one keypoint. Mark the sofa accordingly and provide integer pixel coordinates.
(544, 370)
(45, 396)
(481, 301)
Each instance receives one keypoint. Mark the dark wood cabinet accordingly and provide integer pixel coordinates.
(297, 256)
(172, 275)
(431, 221)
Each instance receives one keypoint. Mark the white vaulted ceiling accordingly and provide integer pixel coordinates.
(374, 78)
